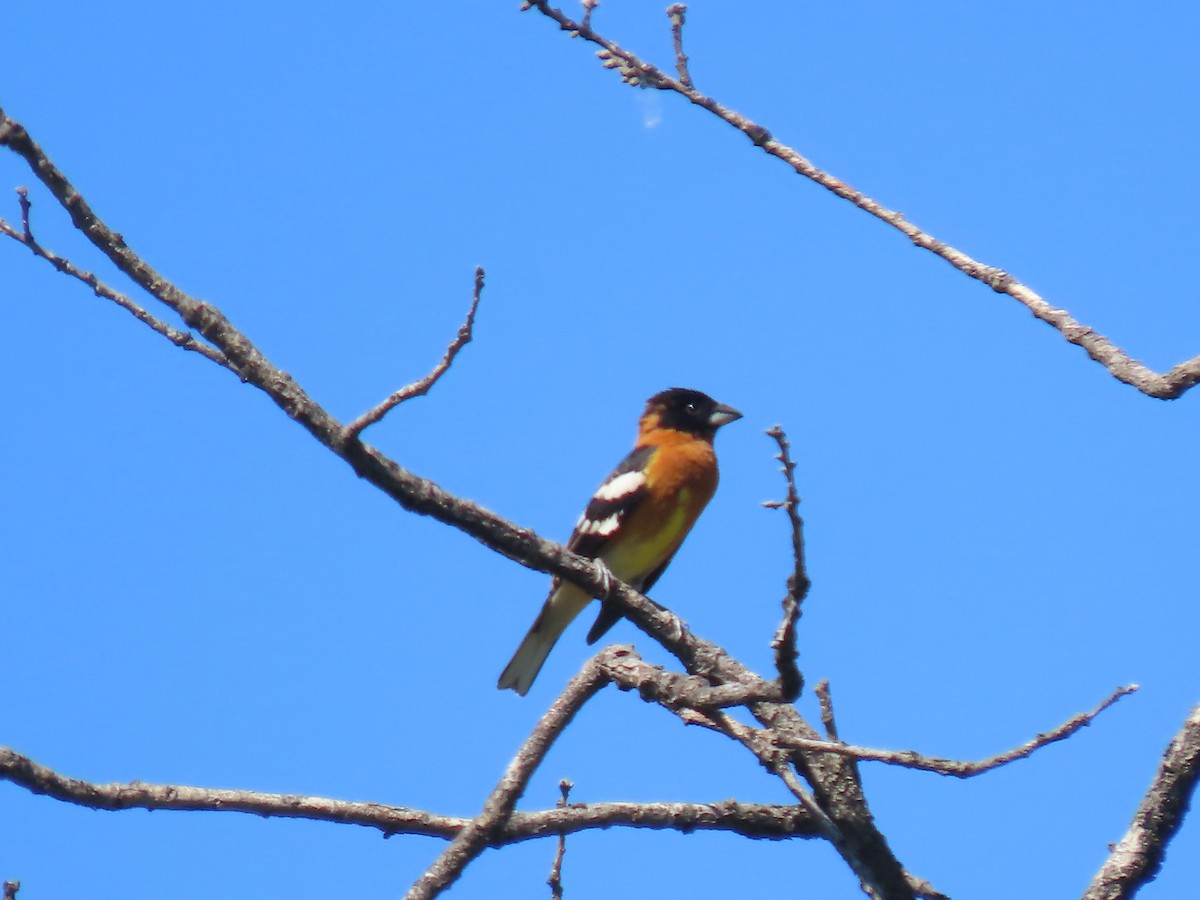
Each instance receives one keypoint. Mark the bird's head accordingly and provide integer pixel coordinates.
(692, 412)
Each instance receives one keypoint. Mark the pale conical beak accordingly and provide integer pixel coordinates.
(723, 415)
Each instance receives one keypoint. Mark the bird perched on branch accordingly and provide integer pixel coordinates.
(637, 518)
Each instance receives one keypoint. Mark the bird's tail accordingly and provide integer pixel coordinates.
(561, 608)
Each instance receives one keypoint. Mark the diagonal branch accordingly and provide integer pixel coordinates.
(1136, 859)
(1163, 386)
(477, 836)
(179, 338)
(422, 386)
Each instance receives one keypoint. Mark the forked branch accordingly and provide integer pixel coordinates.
(182, 339)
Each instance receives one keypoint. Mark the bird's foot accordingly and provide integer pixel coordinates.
(606, 577)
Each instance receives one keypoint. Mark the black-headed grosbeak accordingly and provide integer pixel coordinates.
(637, 518)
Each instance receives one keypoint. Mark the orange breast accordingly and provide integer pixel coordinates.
(684, 478)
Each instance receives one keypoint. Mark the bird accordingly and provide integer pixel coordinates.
(636, 520)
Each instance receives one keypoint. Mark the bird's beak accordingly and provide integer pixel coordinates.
(723, 415)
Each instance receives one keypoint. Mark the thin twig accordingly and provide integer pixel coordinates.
(244, 357)
(957, 768)
(555, 879)
(26, 230)
(422, 386)
(825, 698)
(588, 6)
(179, 338)
(633, 70)
(1138, 856)
(477, 836)
(784, 642)
(678, 13)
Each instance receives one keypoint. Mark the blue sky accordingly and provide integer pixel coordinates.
(999, 533)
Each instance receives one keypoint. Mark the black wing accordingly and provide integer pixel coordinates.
(617, 496)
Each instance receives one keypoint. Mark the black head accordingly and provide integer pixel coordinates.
(690, 411)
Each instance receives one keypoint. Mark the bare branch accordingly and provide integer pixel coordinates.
(752, 820)
(1136, 859)
(879, 885)
(477, 836)
(423, 386)
(179, 338)
(924, 889)
(825, 698)
(784, 642)
(654, 685)
(675, 691)
(678, 13)
(588, 6)
(244, 358)
(26, 230)
(1163, 386)
(696, 704)
(555, 879)
(957, 768)
(747, 819)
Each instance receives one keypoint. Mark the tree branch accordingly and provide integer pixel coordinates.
(555, 878)
(825, 699)
(675, 691)
(747, 819)
(1165, 386)
(422, 386)
(179, 338)
(957, 768)
(677, 12)
(629, 672)
(476, 837)
(1136, 859)
(784, 642)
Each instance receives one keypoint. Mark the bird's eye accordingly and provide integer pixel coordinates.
(691, 408)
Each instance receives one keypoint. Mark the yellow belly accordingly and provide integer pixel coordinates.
(637, 557)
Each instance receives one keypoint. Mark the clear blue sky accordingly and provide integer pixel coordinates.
(999, 533)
